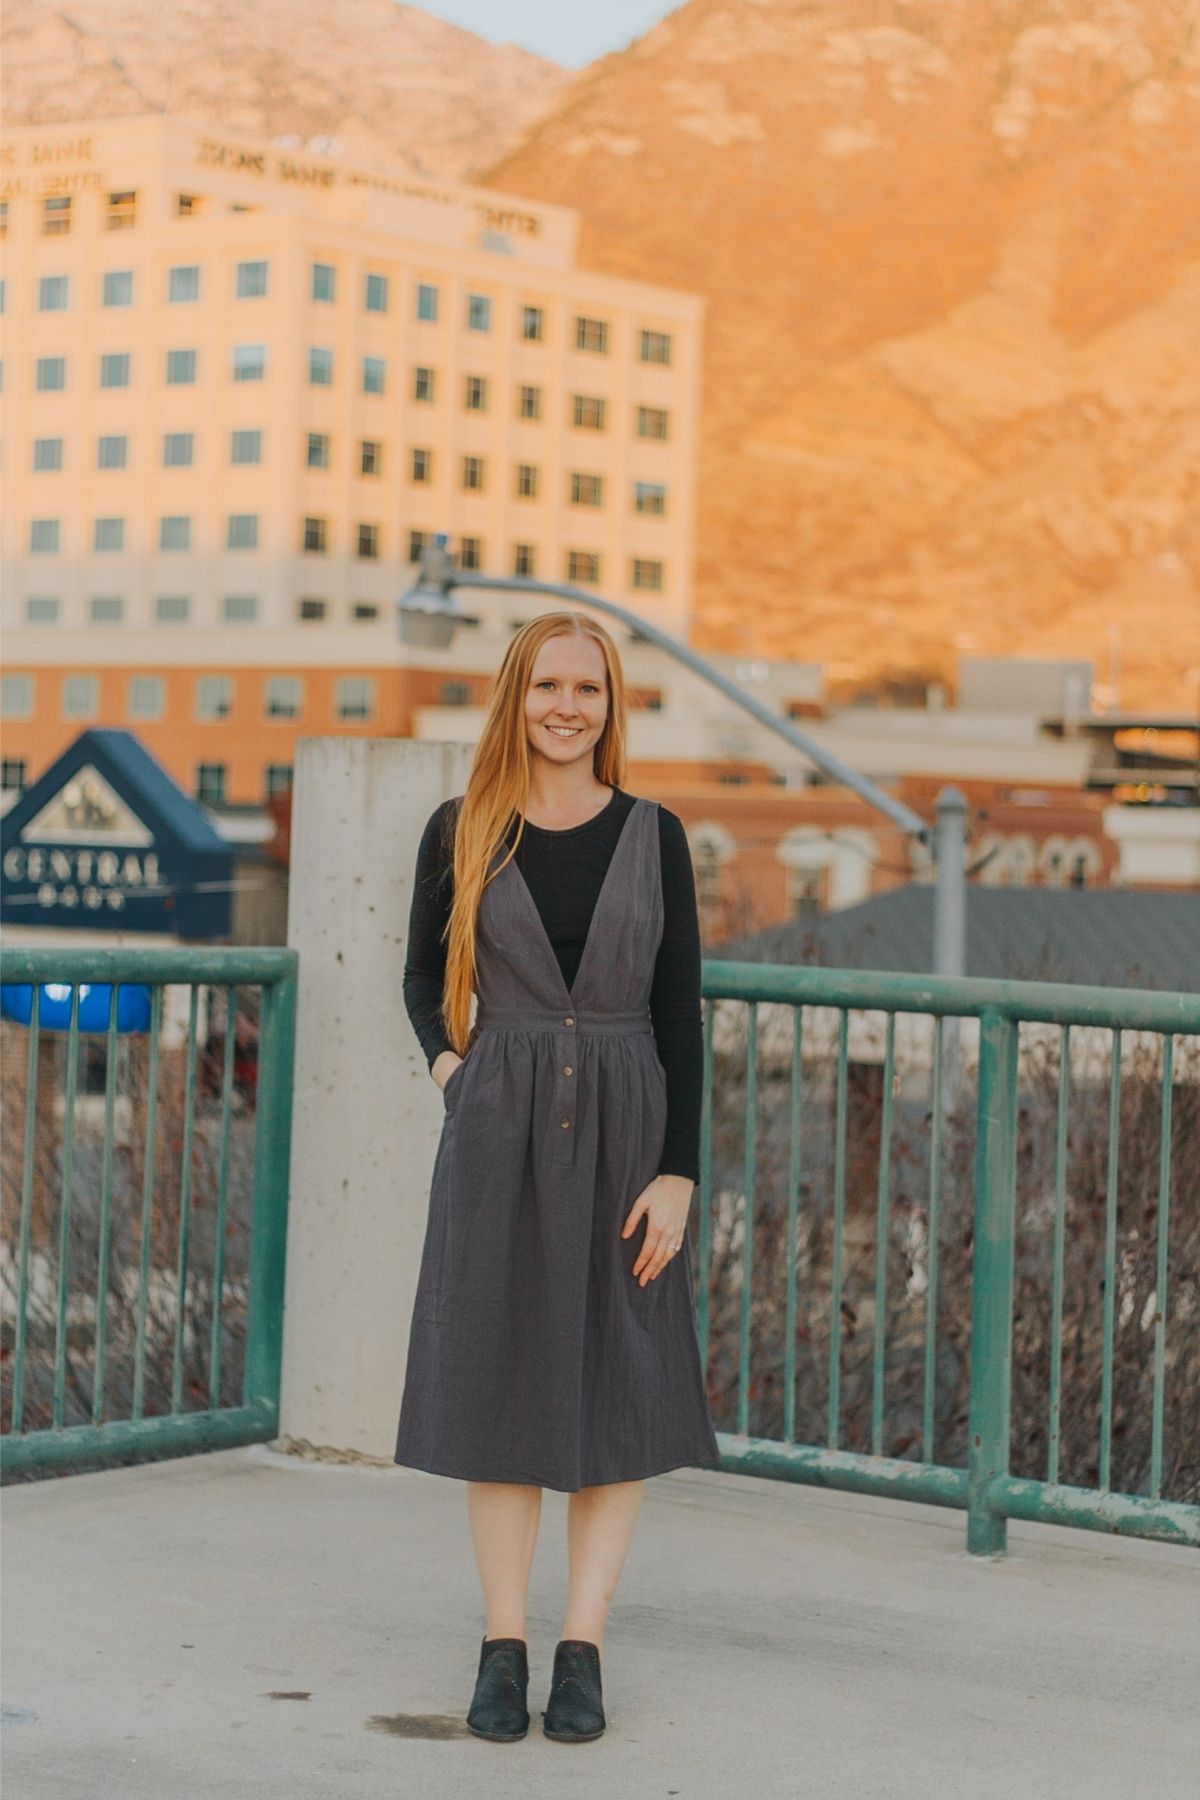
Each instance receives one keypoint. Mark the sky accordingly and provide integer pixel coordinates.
(566, 31)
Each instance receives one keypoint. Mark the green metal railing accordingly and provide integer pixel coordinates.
(980, 1480)
(64, 1441)
(799, 1027)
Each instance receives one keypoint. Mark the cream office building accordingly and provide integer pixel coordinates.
(243, 383)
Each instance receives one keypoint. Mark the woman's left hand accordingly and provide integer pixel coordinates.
(665, 1205)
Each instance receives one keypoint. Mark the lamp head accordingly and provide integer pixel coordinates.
(428, 614)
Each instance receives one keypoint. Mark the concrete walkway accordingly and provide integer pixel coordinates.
(248, 1624)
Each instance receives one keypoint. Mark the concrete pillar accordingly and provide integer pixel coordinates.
(366, 1114)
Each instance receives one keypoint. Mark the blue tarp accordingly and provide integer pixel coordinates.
(95, 998)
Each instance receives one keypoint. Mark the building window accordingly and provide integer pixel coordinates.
(651, 422)
(116, 288)
(107, 609)
(177, 450)
(3, 294)
(527, 481)
(455, 693)
(114, 370)
(245, 446)
(241, 531)
(183, 283)
(43, 537)
(588, 412)
(52, 293)
(42, 609)
(472, 474)
(524, 561)
(314, 534)
(370, 457)
(108, 534)
(655, 347)
(175, 532)
(591, 334)
(210, 783)
(647, 573)
(181, 367)
(470, 553)
(373, 370)
(278, 778)
(249, 362)
(47, 454)
(649, 497)
(427, 303)
(354, 697)
(423, 384)
(111, 452)
(368, 542)
(422, 465)
(16, 696)
(529, 402)
(3, 218)
(171, 609)
(80, 696)
(475, 393)
(188, 206)
(587, 490)
(239, 609)
(323, 281)
(583, 565)
(13, 775)
(121, 213)
(317, 452)
(320, 368)
(283, 697)
(52, 373)
(375, 295)
(251, 280)
(56, 215)
(533, 324)
(364, 612)
(214, 697)
(310, 610)
(479, 312)
(144, 697)
(417, 541)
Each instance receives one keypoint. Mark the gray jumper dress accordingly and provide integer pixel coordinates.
(534, 1355)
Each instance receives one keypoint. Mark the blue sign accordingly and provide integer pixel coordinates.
(95, 1000)
(106, 841)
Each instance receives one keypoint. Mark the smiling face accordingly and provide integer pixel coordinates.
(566, 703)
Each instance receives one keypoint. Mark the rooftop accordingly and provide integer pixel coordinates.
(246, 1621)
(1113, 936)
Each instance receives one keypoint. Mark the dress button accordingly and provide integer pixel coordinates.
(565, 1123)
(568, 1020)
(568, 1070)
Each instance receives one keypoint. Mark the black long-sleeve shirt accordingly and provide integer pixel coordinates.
(564, 871)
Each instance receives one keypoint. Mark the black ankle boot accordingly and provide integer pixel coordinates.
(575, 1711)
(498, 1709)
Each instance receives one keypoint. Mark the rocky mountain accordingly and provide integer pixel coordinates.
(364, 79)
(951, 252)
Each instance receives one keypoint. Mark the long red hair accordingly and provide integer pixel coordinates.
(498, 788)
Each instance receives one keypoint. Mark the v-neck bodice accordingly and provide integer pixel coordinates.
(563, 871)
(516, 964)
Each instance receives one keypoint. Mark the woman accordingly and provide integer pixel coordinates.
(553, 1339)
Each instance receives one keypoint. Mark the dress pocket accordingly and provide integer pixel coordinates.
(451, 1081)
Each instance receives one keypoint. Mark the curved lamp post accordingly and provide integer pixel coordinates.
(429, 615)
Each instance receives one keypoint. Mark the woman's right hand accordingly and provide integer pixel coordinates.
(444, 1065)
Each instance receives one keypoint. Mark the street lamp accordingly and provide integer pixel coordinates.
(429, 615)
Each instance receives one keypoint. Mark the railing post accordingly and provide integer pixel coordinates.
(989, 1417)
(268, 1233)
